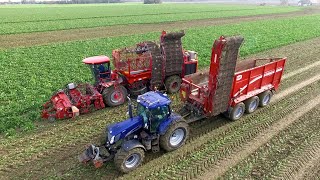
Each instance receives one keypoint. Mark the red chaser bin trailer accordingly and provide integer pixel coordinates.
(229, 87)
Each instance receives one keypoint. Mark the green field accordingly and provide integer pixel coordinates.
(47, 18)
(37, 58)
(31, 75)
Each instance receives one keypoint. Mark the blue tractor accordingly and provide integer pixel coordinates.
(155, 126)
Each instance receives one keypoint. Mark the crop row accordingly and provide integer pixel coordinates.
(20, 14)
(55, 141)
(269, 159)
(66, 12)
(75, 23)
(31, 75)
(199, 154)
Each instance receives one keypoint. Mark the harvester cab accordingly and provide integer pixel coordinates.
(154, 126)
(100, 68)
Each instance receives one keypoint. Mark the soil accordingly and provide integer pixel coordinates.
(221, 167)
(62, 143)
(41, 38)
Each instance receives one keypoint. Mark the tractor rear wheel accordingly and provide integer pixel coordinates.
(252, 104)
(265, 98)
(114, 96)
(175, 136)
(237, 111)
(127, 161)
(173, 84)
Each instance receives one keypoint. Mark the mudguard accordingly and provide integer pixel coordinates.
(166, 124)
(131, 144)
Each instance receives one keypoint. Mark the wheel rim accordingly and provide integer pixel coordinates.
(266, 99)
(253, 105)
(116, 97)
(239, 112)
(132, 161)
(177, 137)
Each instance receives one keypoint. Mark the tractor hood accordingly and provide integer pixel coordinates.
(122, 129)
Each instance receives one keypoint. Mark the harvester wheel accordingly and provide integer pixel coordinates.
(114, 96)
(265, 98)
(237, 111)
(175, 136)
(173, 84)
(252, 104)
(127, 161)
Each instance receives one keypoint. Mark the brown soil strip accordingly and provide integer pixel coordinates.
(221, 167)
(41, 38)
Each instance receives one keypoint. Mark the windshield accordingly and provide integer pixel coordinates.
(142, 111)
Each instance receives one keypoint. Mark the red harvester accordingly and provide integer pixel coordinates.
(147, 66)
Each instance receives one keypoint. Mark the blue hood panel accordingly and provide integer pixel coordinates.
(126, 127)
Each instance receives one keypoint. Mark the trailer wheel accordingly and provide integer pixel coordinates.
(127, 161)
(265, 98)
(237, 111)
(114, 96)
(173, 84)
(252, 104)
(175, 136)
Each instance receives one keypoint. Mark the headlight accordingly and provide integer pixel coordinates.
(111, 140)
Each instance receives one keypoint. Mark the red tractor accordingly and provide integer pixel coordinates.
(147, 66)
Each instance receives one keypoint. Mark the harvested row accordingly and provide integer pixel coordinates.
(198, 130)
(195, 157)
(249, 147)
(49, 138)
(270, 158)
(44, 148)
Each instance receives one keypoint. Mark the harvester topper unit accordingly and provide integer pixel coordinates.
(228, 87)
(147, 66)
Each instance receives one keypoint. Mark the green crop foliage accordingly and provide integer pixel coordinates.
(48, 18)
(31, 75)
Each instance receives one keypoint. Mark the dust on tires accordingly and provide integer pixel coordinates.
(126, 161)
(175, 136)
(114, 96)
(173, 84)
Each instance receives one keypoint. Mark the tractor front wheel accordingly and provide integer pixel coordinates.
(114, 96)
(127, 161)
(175, 136)
(173, 84)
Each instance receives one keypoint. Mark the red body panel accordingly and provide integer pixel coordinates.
(253, 81)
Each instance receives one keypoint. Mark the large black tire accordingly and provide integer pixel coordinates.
(252, 104)
(114, 96)
(265, 98)
(175, 136)
(173, 84)
(237, 111)
(127, 161)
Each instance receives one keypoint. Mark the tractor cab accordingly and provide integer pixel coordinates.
(154, 108)
(100, 68)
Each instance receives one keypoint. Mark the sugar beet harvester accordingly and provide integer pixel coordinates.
(147, 66)
(229, 87)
